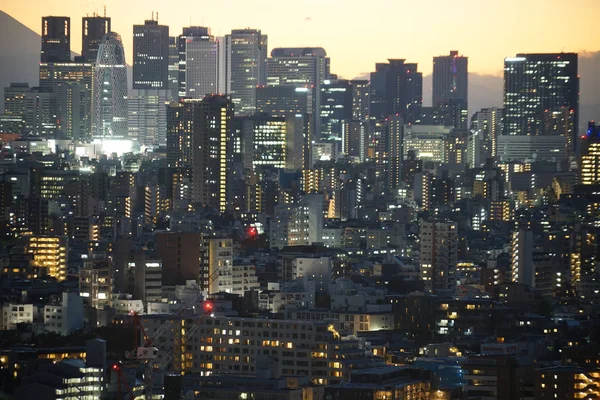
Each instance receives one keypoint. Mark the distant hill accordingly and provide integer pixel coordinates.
(20, 50)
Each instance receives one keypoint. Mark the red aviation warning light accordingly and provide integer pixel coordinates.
(208, 307)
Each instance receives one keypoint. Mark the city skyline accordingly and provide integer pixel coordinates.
(507, 28)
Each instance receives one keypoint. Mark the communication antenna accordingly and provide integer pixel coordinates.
(157, 16)
(104, 11)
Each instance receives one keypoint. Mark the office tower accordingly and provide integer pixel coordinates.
(300, 67)
(540, 88)
(450, 89)
(93, 30)
(147, 116)
(39, 111)
(49, 255)
(197, 136)
(56, 39)
(198, 63)
(150, 56)
(306, 223)
(304, 67)
(438, 256)
(72, 85)
(110, 89)
(335, 108)
(361, 102)
(245, 58)
(275, 142)
(147, 277)
(354, 143)
(216, 263)
(486, 126)
(278, 101)
(590, 156)
(14, 98)
(396, 151)
(173, 67)
(396, 88)
(522, 266)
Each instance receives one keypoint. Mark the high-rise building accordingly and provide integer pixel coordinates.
(306, 222)
(245, 58)
(396, 151)
(147, 116)
(590, 156)
(278, 101)
(450, 88)
(438, 256)
(301, 67)
(49, 255)
(361, 103)
(540, 92)
(93, 30)
(522, 266)
(273, 141)
(197, 136)
(180, 255)
(486, 126)
(335, 108)
(110, 89)
(173, 67)
(150, 56)
(198, 63)
(397, 88)
(72, 85)
(56, 39)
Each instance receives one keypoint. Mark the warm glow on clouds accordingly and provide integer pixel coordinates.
(356, 34)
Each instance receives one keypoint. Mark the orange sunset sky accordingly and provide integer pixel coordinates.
(356, 34)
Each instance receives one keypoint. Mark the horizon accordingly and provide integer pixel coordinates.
(340, 45)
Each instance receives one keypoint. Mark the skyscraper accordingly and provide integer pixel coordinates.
(540, 89)
(198, 63)
(486, 126)
(110, 89)
(173, 67)
(197, 135)
(438, 256)
(301, 67)
(150, 56)
(147, 116)
(56, 39)
(72, 84)
(360, 99)
(245, 58)
(590, 156)
(397, 88)
(450, 88)
(93, 30)
(335, 108)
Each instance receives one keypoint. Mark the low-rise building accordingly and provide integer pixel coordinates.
(66, 316)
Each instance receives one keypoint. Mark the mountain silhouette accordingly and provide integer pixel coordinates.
(20, 50)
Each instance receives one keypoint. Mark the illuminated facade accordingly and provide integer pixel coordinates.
(95, 281)
(567, 382)
(110, 89)
(450, 89)
(486, 126)
(197, 137)
(147, 116)
(198, 63)
(438, 255)
(150, 56)
(230, 345)
(590, 157)
(72, 84)
(56, 39)
(93, 30)
(522, 266)
(245, 58)
(49, 256)
(535, 87)
(361, 102)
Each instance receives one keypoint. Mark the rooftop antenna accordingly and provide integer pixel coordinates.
(152, 15)
(104, 11)
(157, 16)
